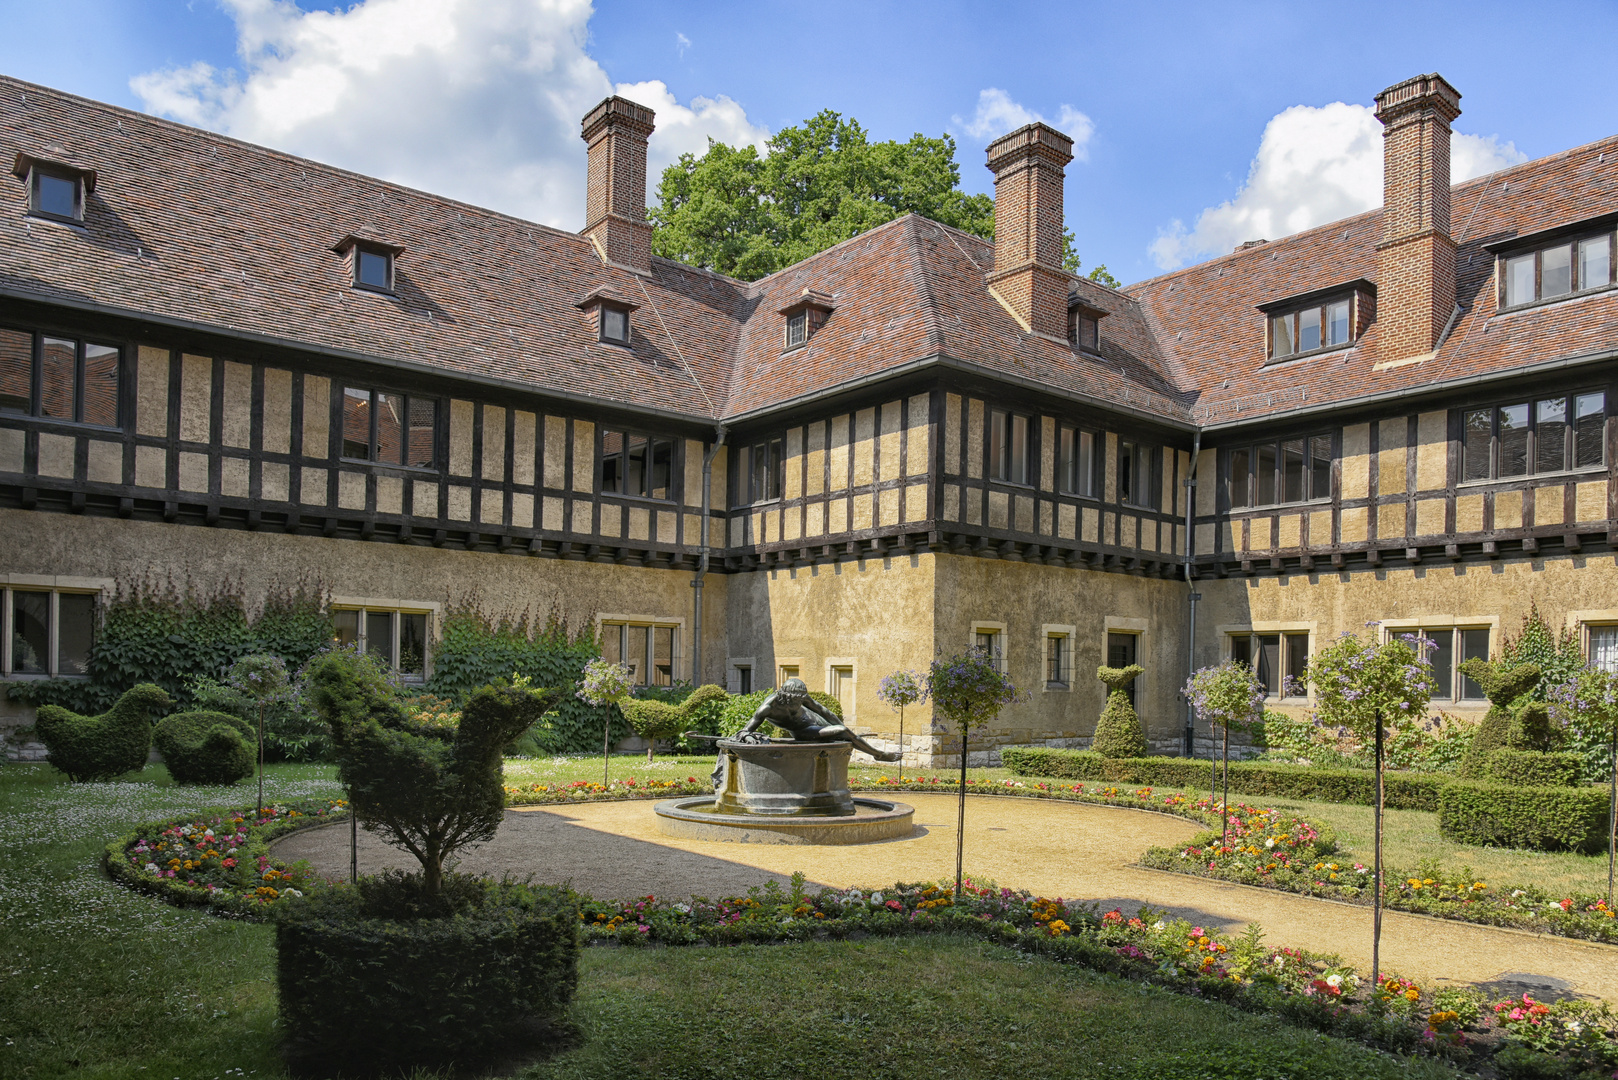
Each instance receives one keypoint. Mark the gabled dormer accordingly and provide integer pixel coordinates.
(57, 187)
(371, 257)
(803, 316)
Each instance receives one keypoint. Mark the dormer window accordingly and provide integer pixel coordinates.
(370, 258)
(804, 316)
(1314, 322)
(1553, 264)
(56, 189)
(1084, 328)
(612, 310)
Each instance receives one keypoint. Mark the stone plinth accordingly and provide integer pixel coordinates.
(784, 779)
(871, 820)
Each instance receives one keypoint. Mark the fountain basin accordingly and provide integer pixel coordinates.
(784, 777)
(703, 818)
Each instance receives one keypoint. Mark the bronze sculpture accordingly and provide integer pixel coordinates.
(790, 709)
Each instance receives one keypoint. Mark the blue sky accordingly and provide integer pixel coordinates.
(1207, 123)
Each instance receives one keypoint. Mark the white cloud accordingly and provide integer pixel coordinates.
(1314, 165)
(476, 99)
(682, 43)
(997, 114)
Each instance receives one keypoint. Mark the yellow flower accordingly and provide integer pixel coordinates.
(1412, 994)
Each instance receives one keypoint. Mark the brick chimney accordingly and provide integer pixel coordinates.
(615, 202)
(1028, 278)
(1415, 282)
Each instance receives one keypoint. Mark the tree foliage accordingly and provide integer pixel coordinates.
(1118, 731)
(969, 690)
(1356, 679)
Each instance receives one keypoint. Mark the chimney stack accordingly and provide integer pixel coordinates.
(615, 201)
(1415, 284)
(1028, 278)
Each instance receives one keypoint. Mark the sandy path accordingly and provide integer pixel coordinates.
(1078, 852)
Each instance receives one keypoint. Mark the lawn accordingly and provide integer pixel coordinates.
(668, 767)
(101, 982)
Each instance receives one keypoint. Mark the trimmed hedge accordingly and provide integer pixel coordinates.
(1533, 768)
(105, 746)
(364, 990)
(1543, 818)
(1404, 791)
(205, 747)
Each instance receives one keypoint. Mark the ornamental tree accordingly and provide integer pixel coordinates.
(898, 690)
(969, 690)
(1587, 706)
(1369, 687)
(1229, 697)
(263, 678)
(605, 683)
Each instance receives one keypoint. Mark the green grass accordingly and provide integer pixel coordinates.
(565, 770)
(99, 982)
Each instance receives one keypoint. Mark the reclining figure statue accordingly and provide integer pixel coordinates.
(789, 708)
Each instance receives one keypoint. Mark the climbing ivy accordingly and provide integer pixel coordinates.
(1559, 656)
(475, 649)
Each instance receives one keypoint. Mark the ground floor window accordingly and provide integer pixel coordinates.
(1279, 660)
(394, 636)
(1451, 646)
(46, 632)
(651, 651)
(784, 672)
(744, 678)
(842, 688)
(1058, 659)
(990, 640)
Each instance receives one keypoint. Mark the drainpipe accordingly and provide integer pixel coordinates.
(702, 559)
(1191, 635)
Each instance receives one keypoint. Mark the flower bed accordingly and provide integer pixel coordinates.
(1320, 991)
(580, 791)
(220, 858)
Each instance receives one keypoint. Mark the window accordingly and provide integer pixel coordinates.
(842, 688)
(1121, 650)
(797, 329)
(1296, 470)
(614, 325)
(1604, 648)
(57, 378)
(1562, 269)
(1084, 330)
(1326, 325)
(1058, 660)
(1137, 474)
(397, 638)
(1451, 646)
(992, 644)
(805, 316)
(55, 194)
(1278, 660)
(388, 428)
(1076, 462)
(1011, 453)
(373, 268)
(785, 672)
(46, 632)
(761, 471)
(744, 679)
(637, 465)
(1549, 435)
(651, 651)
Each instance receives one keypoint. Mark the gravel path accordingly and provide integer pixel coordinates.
(1079, 852)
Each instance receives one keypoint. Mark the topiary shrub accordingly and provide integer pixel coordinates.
(105, 746)
(379, 976)
(741, 708)
(1533, 768)
(205, 747)
(653, 720)
(1544, 818)
(1502, 684)
(1119, 733)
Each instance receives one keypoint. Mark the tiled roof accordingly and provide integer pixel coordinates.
(191, 226)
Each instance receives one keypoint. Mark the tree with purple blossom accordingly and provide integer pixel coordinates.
(1229, 697)
(1588, 705)
(898, 690)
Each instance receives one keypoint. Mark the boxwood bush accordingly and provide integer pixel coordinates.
(105, 746)
(1405, 791)
(1533, 768)
(418, 987)
(1543, 818)
(206, 747)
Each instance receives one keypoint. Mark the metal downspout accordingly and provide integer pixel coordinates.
(702, 558)
(1194, 596)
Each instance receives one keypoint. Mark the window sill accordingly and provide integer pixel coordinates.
(795, 348)
(1537, 477)
(374, 289)
(1057, 687)
(660, 500)
(1582, 294)
(612, 342)
(1327, 350)
(1265, 508)
(34, 676)
(77, 224)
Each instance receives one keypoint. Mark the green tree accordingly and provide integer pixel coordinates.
(1227, 696)
(1072, 264)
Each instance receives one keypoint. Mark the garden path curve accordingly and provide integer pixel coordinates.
(613, 850)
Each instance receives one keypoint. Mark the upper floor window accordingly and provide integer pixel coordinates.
(46, 632)
(614, 324)
(804, 315)
(1011, 455)
(373, 268)
(1084, 328)
(58, 378)
(1076, 462)
(1561, 269)
(1137, 474)
(634, 464)
(1551, 434)
(388, 428)
(762, 470)
(1325, 325)
(397, 638)
(1294, 470)
(56, 195)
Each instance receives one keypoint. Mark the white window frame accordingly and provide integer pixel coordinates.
(56, 585)
(679, 662)
(367, 604)
(1046, 632)
(1583, 622)
(1389, 628)
(997, 628)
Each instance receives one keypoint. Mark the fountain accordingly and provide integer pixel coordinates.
(784, 791)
